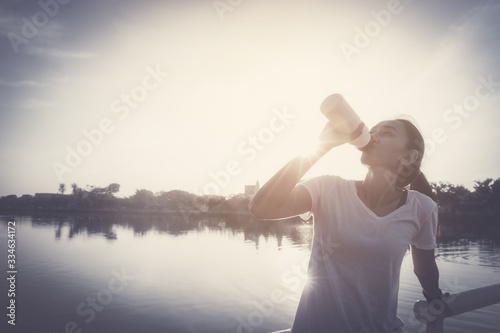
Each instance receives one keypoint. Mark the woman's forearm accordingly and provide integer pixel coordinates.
(276, 190)
(429, 280)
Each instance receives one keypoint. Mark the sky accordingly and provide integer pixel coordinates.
(208, 96)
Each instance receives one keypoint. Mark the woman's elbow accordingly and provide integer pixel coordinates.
(255, 210)
(261, 211)
(252, 209)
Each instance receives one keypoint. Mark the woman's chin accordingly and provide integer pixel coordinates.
(366, 159)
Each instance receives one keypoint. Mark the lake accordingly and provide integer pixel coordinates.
(187, 273)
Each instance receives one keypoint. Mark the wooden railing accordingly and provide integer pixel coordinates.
(433, 314)
(436, 312)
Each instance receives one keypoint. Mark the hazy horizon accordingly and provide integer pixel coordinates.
(120, 195)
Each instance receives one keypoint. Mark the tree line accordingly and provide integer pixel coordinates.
(458, 200)
(453, 200)
(92, 198)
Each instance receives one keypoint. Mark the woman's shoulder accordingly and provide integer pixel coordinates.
(422, 200)
(325, 179)
(326, 183)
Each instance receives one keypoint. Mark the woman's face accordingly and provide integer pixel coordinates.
(388, 148)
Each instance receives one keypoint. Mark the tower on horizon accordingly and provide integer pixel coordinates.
(250, 190)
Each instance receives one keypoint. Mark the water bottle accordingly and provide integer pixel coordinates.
(344, 119)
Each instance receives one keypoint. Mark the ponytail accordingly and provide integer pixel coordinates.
(413, 176)
(416, 179)
(420, 184)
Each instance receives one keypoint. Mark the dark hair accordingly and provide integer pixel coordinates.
(412, 176)
(420, 184)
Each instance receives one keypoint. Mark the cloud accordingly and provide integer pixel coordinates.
(41, 41)
(478, 30)
(21, 83)
(54, 52)
(45, 43)
(34, 104)
(15, 23)
(8, 24)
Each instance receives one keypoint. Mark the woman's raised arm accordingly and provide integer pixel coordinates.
(279, 197)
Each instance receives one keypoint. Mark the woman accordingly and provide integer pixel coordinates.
(362, 230)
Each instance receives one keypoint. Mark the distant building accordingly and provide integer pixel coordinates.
(47, 196)
(250, 190)
(52, 200)
(26, 199)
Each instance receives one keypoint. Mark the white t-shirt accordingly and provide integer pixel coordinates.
(356, 258)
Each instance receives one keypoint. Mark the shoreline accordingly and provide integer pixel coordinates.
(29, 211)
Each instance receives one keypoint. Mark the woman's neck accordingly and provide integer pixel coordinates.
(378, 192)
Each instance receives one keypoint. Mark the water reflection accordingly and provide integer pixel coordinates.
(299, 232)
(483, 252)
(194, 273)
(464, 248)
